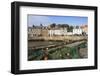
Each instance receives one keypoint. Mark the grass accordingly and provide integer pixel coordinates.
(57, 53)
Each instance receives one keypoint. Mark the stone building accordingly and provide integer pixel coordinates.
(34, 32)
(85, 29)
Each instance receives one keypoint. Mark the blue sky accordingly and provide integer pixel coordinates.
(47, 20)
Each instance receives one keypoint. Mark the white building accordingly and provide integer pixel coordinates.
(77, 31)
(69, 33)
(64, 32)
(57, 32)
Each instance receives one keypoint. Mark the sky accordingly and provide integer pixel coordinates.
(46, 20)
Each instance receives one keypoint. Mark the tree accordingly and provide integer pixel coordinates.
(33, 25)
(70, 28)
(41, 26)
(63, 25)
(77, 27)
(53, 25)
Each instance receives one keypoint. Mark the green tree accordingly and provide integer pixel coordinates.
(53, 25)
(70, 28)
(33, 25)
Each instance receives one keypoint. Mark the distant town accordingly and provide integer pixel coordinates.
(56, 30)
